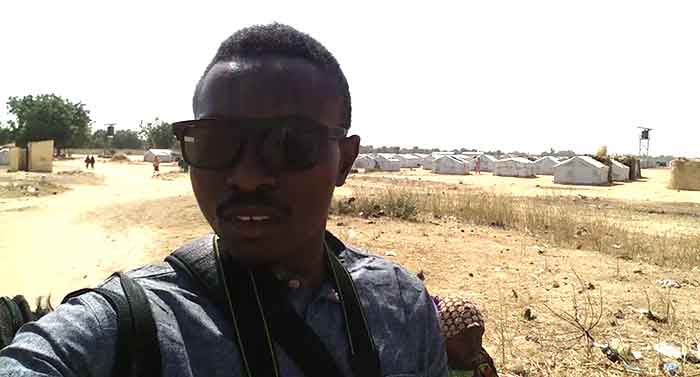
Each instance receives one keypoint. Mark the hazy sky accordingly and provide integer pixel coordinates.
(525, 75)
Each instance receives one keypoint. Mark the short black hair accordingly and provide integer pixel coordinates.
(284, 40)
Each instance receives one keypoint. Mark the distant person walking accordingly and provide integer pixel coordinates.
(92, 162)
(87, 161)
(477, 165)
(156, 166)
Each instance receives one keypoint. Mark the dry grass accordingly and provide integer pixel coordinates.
(557, 221)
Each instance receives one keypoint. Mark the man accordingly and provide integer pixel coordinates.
(156, 165)
(266, 150)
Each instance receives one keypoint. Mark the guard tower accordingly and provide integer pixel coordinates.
(644, 138)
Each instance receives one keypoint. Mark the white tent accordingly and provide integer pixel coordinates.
(429, 160)
(487, 162)
(449, 165)
(514, 167)
(387, 162)
(4, 156)
(165, 155)
(409, 160)
(365, 162)
(545, 165)
(469, 161)
(581, 170)
(620, 171)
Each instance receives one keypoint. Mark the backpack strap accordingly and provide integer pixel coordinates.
(138, 350)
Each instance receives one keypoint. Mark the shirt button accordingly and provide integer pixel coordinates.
(294, 284)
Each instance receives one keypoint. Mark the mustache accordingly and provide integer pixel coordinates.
(254, 198)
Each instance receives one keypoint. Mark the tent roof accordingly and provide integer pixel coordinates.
(452, 157)
(387, 156)
(547, 158)
(521, 160)
(161, 152)
(587, 159)
(408, 156)
(619, 164)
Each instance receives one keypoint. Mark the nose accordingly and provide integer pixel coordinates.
(249, 174)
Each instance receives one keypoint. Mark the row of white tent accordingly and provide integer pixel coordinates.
(576, 170)
(582, 170)
(394, 162)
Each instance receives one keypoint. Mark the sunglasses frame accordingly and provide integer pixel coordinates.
(249, 124)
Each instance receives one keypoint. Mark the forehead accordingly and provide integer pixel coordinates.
(268, 87)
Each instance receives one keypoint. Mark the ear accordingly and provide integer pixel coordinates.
(349, 148)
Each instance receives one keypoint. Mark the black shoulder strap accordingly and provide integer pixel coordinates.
(138, 350)
(364, 358)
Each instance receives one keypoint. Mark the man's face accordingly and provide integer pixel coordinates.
(293, 205)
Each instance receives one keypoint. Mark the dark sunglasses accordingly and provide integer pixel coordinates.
(282, 144)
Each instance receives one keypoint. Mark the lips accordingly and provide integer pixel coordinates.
(251, 213)
(252, 222)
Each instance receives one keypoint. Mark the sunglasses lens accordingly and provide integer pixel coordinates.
(302, 148)
(290, 148)
(210, 147)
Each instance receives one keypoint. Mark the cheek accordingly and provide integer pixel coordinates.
(313, 188)
(207, 186)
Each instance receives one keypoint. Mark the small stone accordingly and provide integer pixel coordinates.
(390, 254)
(555, 285)
(529, 315)
(637, 271)
(471, 275)
(619, 314)
(340, 224)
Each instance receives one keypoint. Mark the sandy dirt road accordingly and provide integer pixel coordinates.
(55, 244)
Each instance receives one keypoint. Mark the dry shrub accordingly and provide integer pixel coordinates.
(685, 175)
(119, 157)
(552, 220)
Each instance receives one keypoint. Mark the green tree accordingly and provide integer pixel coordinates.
(7, 133)
(126, 139)
(98, 139)
(50, 117)
(157, 134)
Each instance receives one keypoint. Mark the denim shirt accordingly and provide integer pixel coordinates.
(197, 339)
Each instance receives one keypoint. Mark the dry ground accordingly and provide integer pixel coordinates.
(118, 217)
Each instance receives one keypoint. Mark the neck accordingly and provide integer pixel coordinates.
(306, 264)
